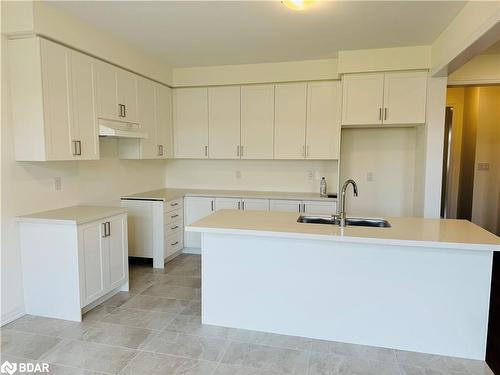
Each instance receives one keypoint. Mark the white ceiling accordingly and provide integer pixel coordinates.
(192, 33)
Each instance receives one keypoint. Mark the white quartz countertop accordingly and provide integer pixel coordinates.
(431, 233)
(73, 214)
(171, 194)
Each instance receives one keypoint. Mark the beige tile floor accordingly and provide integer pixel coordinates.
(156, 329)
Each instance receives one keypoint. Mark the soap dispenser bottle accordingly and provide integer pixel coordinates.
(322, 188)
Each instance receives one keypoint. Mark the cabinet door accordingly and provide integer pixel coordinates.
(163, 110)
(126, 90)
(117, 251)
(320, 207)
(323, 120)
(105, 78)
(257, 122)
(190, 123)
(57, 100)
(282, 205)
(227, 203)
(146, 108)
(405, 95)
(224, 122)
(84, 114)
(362, 99)
(93, 259)
(290, 121)
(196, 208)
(251, 204)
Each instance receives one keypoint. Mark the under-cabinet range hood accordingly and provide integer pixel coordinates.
(116, 129)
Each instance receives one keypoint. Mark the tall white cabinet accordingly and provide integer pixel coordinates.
(73, 258)
(190, 109)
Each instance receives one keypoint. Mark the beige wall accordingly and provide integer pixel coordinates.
(28, 187)
(389, 154)
(487, 183)
(385, 59)
(482, 69)
(274, 175)
(309, 70)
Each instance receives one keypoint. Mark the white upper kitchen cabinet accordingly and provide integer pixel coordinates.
(190, 108)
(224, 122)
(257, 122)
(52, 101)
(155, 119)
(116, 93)
(107, 101)
(290, 121)
(146, 106)
(362, 99)
(86, 132)
(126, 90)
(323, 120)
(405, 96)
(163, 111)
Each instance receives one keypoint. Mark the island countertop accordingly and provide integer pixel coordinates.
(171, 194)
(408, 231)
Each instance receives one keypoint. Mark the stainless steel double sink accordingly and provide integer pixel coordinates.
(350, 221)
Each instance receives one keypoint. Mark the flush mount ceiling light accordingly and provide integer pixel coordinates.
(297, 4)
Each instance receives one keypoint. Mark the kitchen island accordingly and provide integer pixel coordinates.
(421, 285)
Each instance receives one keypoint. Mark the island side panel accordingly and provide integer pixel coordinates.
(419, 299)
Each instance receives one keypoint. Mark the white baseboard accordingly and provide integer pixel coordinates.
(11, 316)
(192, 250)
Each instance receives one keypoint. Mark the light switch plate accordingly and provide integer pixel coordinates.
(483, 166)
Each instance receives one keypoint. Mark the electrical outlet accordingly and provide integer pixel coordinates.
(57, 183)
(238, 174)
(310, 175)
(369, 176)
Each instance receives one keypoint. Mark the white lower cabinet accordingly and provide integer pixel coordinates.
(227, 203)
(68, 266)
(319, 207)
(282, 205)
(154, 228)
(253, 204)
(196, 208)
(308, 207)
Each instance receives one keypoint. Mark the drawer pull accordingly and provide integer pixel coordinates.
(174, 227)
(175, 243)
(174, 204)
(174, 216)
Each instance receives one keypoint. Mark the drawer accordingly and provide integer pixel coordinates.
(173, 205)
(173, 216)
(173, 227)
(175, 243)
